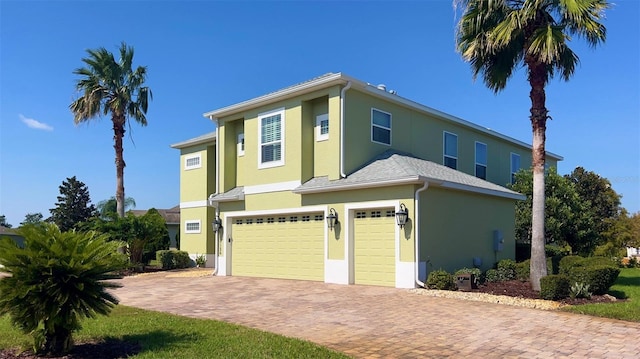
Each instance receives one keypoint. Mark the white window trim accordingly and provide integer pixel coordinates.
(187, 222)
(389, 128)
(511, 166)
(271, 164)
(319, 135)
(241, 144)
(189, 157)
(486, 150)
(444, 147)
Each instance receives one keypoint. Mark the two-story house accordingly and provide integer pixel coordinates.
(339, 181)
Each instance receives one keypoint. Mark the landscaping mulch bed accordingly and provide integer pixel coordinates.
(106, 349)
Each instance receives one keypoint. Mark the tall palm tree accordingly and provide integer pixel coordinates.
(114, 88)
(109, 206)
(497, 36)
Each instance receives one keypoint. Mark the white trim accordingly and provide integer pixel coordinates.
(336, 271)
(280, 111)
(486, 191)
(385, 128)
(512, 173)
(266, 212)
(272, 187)
(194, 204)
(192, 221)
(241, 145)
(444, 149)
(191, 157)
(486, 151)
(404, 274)
(319, 135)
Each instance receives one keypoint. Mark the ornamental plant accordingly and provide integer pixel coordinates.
(55, 281)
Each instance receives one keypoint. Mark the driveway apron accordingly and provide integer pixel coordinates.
(379, 322)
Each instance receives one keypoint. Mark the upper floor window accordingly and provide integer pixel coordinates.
(322, 127)
(380, 127)
(450, 150)
(515, 166)
(241, 144)
(271, 134)
(193, 161)
(481, 160)
(192, 226)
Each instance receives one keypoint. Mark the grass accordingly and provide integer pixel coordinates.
(626, 287)
(164, 335)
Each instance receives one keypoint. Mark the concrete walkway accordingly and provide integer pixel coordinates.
(377, 322)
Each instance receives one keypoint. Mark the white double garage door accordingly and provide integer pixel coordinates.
(292, 246)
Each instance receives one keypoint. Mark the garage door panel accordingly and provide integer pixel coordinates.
(374, 247)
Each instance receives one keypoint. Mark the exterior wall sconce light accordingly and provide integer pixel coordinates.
(402, 215)
(216, 224)
(332, 219)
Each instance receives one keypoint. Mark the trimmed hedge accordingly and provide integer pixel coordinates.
(506, 269)
(569, 262)
(442, 280)
(172, 259)
(554, 287)
(599, 277)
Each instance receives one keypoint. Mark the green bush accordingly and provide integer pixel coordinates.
(598, 260)
(172, 259)
(554, 287)
(506, 269)
(554, 250)
(599, 277)
(491, 276)
(440, 279)
(523, 270)
(182, 259)
(569, 262)
(56, 280)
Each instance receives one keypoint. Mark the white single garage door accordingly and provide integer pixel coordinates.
(374, 247)
(282, 246)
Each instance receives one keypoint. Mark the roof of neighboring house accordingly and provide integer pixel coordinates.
(171, 215)
(7, 231)
(396, 168)
(206, 138)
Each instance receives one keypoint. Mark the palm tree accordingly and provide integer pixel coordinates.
(109, 206)
(497, 36)
(110, 87)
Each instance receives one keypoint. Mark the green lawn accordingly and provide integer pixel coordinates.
(627, 286)
(164, 335)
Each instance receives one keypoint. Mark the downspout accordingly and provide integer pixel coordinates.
(342, 94)
(216, 250)
(417, 229)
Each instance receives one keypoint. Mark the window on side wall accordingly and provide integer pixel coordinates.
(481, 160)
(322, 127)
(380, 127)
(450, 150)
(193, 161)
(515, 166)
(271, 135)
(192, 226)
(241, 144)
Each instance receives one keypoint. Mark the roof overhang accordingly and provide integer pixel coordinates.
(204, 139)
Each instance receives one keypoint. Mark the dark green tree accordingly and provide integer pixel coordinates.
(58, 279)
(32, 218)
(73, 206)
(3, 221)
(114, 88)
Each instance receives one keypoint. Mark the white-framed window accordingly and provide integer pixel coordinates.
(193, 161)
(241, 144)
(450, 150)
(192, 226)
(271, 135)
(322, 127)
(481, 160)
(515, 166)
(380, 127)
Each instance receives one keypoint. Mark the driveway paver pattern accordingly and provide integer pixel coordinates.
(379, 322)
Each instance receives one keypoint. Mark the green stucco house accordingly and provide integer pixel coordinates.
(314, 182)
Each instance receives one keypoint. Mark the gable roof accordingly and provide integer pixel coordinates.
(392, 168)
(206, 138)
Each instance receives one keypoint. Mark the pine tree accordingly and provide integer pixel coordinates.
(73, 205)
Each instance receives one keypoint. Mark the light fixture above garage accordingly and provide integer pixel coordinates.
(217, 224)
(402, 215)
(332, 219)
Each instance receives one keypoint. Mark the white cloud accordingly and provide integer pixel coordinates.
(35, 124)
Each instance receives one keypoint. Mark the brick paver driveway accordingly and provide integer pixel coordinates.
(382, 322)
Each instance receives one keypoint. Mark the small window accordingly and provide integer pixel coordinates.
(515, 166)
(450, 150)
(306, 218)
(193, 161)
(380, 127)
(322, 127)
(319, 217)
(239, 221)
(241, 144)
(249, 220)
(192, 226)
(270, 220)
(259, 221)
(282, 219)
(376, 214)
(391, 213)
(481, 160)
(271, 136)
(361, 214)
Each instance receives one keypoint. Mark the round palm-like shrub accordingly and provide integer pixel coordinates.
(442, 280)
(56, 280)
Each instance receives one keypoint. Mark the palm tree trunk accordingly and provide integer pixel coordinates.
(118, 134)
(537, 80)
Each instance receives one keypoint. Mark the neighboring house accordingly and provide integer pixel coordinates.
(633, 252)
(8, 232)
(171, 217)
(280, 167)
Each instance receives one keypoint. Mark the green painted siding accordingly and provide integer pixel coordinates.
(197, 183)
(202, 242)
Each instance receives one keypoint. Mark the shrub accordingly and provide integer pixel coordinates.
(569, 262)
(633, 262)
(507, 269)
(599, 277)
(491, 276)
(579, 290)
(201, 260)
(440, 279)
(554, 287)
(477, 273)
(182, 259)
(56, 280)
(554, 250)
(172, 259)
(598, 260)
(523, 270)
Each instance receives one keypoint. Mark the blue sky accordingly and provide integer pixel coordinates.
(203, 55)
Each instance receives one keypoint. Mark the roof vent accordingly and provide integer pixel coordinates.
(382, 87)
(393, 92)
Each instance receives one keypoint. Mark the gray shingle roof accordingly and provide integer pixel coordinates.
(394, 167)
(207, 137)
(171, 215)
(234, 194)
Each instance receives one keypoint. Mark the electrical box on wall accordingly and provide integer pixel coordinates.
(498, 240)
